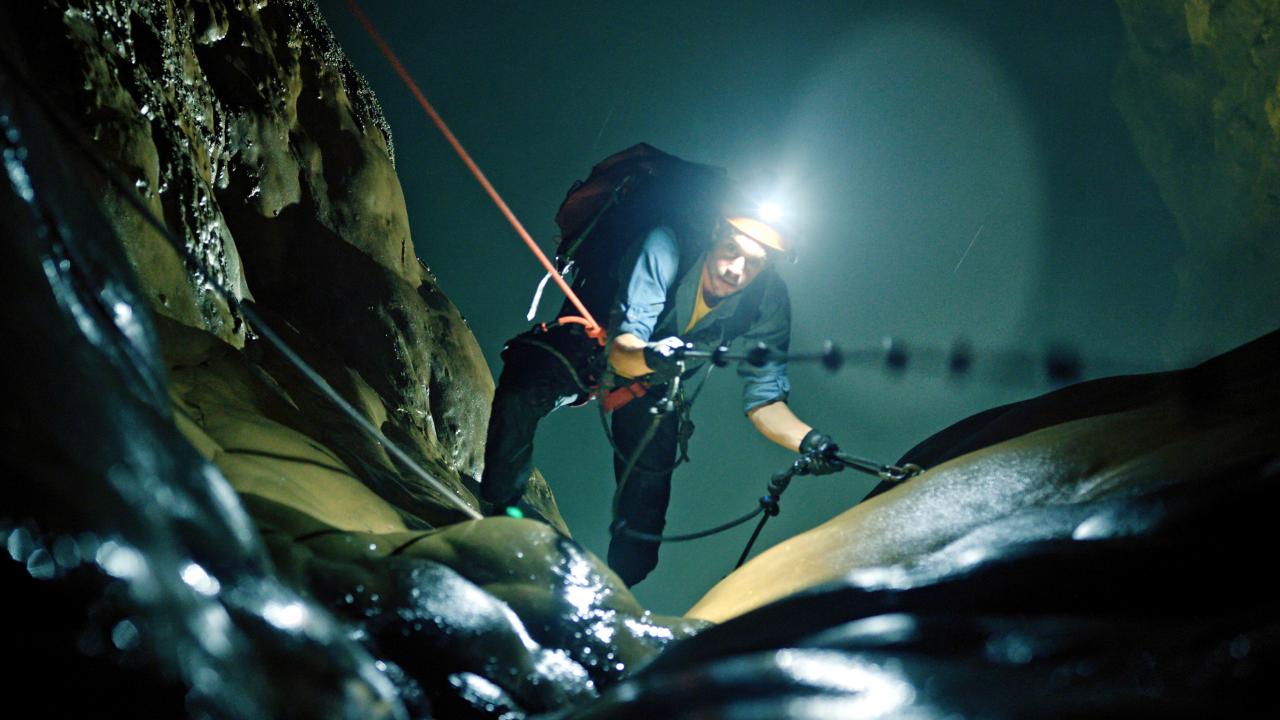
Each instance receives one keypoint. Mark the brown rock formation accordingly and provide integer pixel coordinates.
(1199, 87)
(247, 130)
(1103, 439)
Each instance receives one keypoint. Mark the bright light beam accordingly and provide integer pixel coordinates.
(770, 212)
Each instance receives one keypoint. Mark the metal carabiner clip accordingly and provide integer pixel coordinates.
(895, 474)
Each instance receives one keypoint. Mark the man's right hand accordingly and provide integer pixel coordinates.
(663, 356)
(821, 451)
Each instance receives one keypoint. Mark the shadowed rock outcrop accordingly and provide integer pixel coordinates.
(245, 128)
(1199, 87)
(998, 477)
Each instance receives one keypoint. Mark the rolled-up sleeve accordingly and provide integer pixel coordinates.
(645, 293)
(768, 383)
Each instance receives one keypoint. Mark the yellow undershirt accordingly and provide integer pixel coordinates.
(700, 308)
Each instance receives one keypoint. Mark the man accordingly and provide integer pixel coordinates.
(669, 297)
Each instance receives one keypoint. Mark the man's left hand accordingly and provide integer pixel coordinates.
(821, 451)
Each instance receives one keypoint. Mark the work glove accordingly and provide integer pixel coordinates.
(663, 356)
(821, 451)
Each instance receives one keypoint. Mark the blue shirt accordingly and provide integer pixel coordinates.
(657, 301)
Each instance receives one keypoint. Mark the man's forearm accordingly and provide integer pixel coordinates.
(776, 422)
(626, 355)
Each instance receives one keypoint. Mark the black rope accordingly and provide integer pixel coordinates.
(410, 542)
(621, 526)
(768, 503)
(620, 523)
(308, 536)
(103, 166)
(686, 407)
(751, 542)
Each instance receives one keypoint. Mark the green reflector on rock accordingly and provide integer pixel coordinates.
(515, 512)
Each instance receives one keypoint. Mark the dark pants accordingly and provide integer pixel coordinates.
(536, 379)
(647, 489)
(533, 383)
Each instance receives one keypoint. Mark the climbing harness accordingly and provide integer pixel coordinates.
(129, 193)
(610, 400)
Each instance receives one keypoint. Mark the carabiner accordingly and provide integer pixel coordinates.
(895, 474)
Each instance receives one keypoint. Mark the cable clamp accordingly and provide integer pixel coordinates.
(770, 505)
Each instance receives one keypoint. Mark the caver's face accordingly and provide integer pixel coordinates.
(734, 261)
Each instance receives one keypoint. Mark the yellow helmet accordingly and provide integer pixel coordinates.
(758, 230)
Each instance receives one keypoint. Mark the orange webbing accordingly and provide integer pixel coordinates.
(593, 328)
(571, 320)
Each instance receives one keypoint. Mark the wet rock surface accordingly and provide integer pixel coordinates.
(1132, 611)
(245, 129)
(998, 476)
(191, 528)
(139, 582)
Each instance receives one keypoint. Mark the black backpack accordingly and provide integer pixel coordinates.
(627, 194)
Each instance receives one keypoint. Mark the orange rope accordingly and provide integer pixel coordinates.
(593, 328)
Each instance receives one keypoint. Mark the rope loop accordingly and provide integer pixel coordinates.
(594, 331)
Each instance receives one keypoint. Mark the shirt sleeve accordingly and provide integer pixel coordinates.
(768, 383)
(645, 293)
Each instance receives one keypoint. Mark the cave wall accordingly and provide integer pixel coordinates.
(1199, 87)
(358, 306)
(246, 129)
